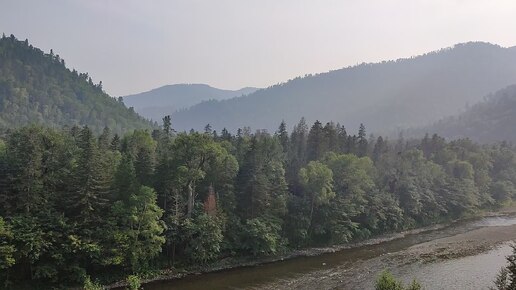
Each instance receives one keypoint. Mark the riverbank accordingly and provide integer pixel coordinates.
(235, 263)
(241, 262)
(361, 275)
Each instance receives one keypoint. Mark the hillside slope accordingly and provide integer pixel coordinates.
(385, 96)
(37, 88)
(492, 120)
(165, 100)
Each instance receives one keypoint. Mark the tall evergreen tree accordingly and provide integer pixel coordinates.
(331, 137)
(316, 142)
(283, 136)
(362, 141)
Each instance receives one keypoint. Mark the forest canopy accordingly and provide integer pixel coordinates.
(37, 88)
(76, 205)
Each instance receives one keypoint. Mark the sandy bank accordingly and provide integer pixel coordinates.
(361, 273)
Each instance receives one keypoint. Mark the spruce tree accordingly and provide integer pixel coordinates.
(315, 142)
(283, 136)
(362, 142)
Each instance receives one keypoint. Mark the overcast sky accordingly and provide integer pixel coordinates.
(134, 46)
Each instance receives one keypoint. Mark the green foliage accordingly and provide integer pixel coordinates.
(204, 238)
(317, 180)
(90, 285)
(502, 191)
(6, 247)
(386, 281)
(37, 88)
(261, 185)
(506, 278)
(133, 282)
(73, 204)
(262, 237)
(414, 285)
(138, 237)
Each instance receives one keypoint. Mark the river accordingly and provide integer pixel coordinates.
(464, 255)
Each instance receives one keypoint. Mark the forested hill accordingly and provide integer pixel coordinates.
(388, 95)
(492, 120)
(37, 88)
(165, 100)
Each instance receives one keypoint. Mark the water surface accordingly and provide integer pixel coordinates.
(453, 274)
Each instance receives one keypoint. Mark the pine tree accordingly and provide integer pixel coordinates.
(261, 186)
(362, 142)
(342, 139)
(125, 181)
(115, 143)
(315, 142)
(167, 125)
(283, 136)
(380, 148)
(225, 135)
(144, 166)
(92, 182)
(24, 154)
(208, 130)
(331, 138)
(105, 139)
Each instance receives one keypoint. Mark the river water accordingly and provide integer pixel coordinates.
(470, 272)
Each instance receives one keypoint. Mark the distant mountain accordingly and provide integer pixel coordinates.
(384, 96)
(157, 103)
(492, 120)
(37, 88)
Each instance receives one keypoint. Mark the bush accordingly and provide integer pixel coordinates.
(506, 279)
(262, 237)
(90, 285)
(414, 286)
(133, 282)
(386, 281)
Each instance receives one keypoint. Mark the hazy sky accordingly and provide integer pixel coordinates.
(133, 46)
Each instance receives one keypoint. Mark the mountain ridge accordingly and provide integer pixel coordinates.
(38, 88)
(389, 95)
(165, 100)
(492, 120)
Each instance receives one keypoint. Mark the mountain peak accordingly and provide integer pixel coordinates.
(165, 100)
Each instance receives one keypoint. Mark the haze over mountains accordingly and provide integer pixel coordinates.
(494, 119)
(165, 100)
(37, 88)
(384, 96)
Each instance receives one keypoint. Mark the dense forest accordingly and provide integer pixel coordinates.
(75, 205)
(165, 100)
(492, 120)
(390, 95)
(37, 88)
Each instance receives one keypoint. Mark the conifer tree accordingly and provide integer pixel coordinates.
(283, 136)
(315, 142)
(362, 142)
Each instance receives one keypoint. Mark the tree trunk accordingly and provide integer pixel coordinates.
(311, 215)
(190, 200)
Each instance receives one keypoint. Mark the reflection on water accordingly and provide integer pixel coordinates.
(247, 277)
